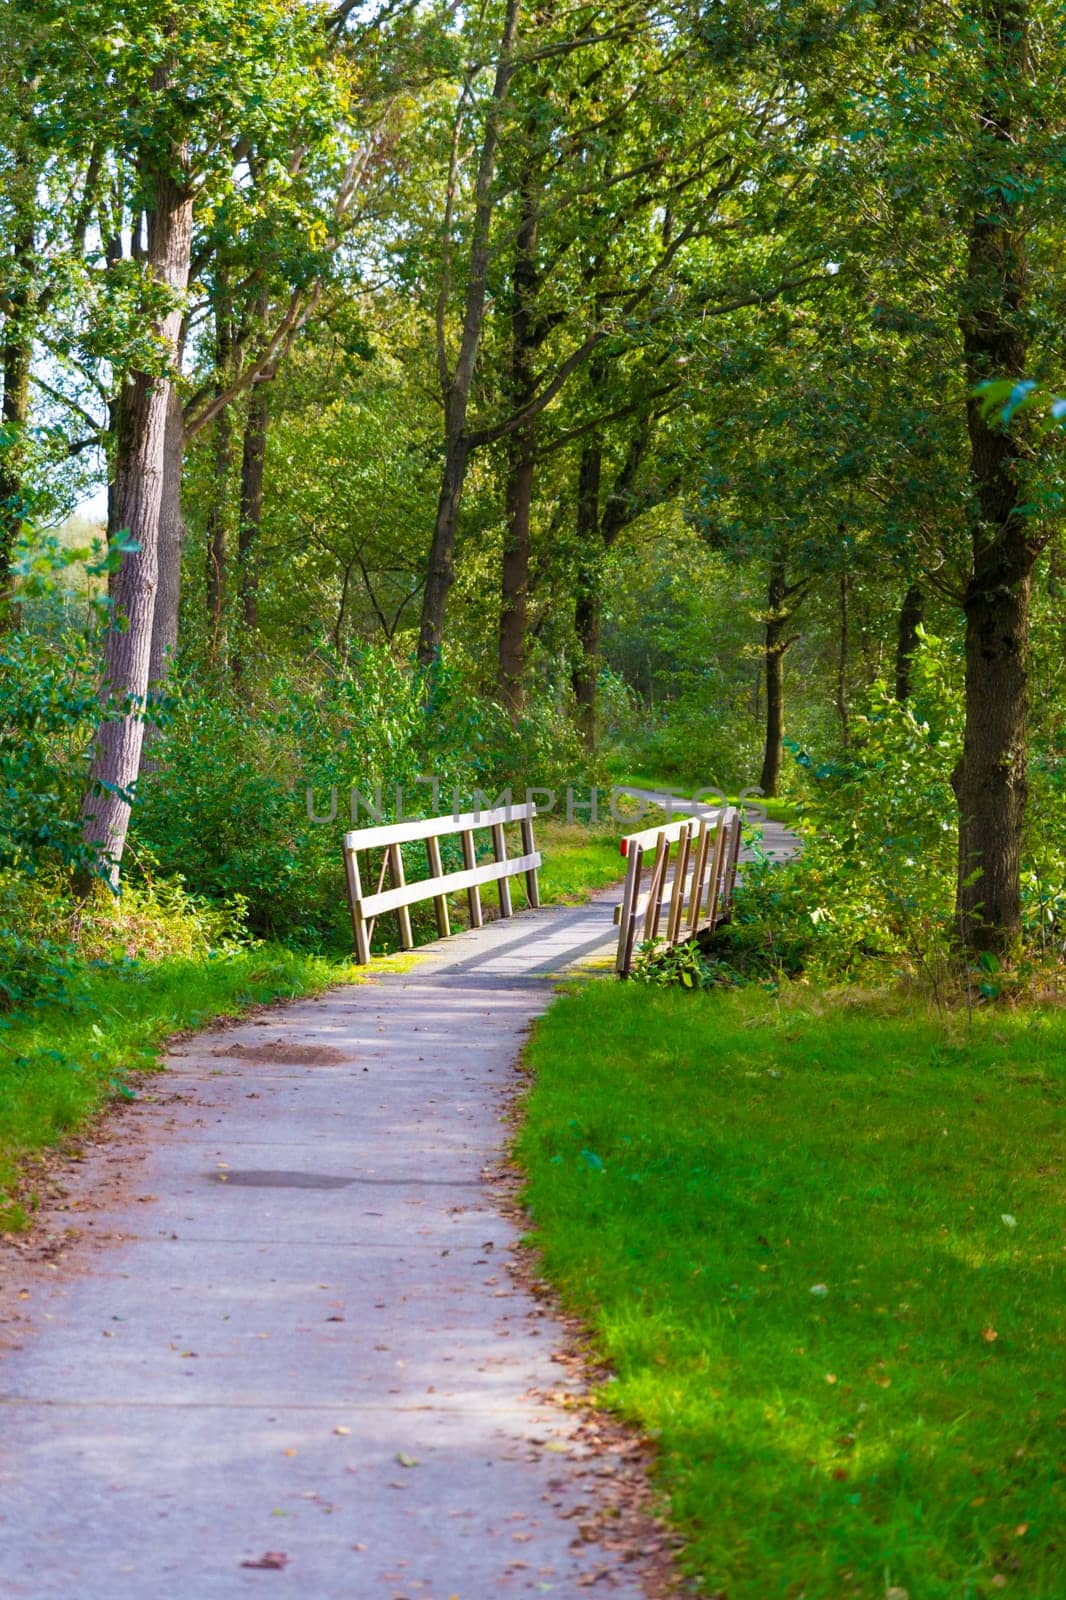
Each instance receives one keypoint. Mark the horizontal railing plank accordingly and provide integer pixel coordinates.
(647, 838)
(375, 905)
(434, 827)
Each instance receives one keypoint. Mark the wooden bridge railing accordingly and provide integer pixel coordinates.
(391, 837)
(699, 894)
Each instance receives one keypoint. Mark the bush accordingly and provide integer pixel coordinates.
(48, 711)
(232, 793)
(876, 880)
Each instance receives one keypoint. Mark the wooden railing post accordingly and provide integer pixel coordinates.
(528, 849)
(436, 870)
(715, 886)
(499, 853)
(627, 930)
(654, 908)
(473, 894)
(699, 874)
(677, 898)
(403, 915)
(355, 897)
(730, 879)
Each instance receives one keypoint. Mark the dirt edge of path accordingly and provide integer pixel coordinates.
(630, 1517)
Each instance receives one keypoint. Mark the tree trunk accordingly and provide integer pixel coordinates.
(911, 618)
(171, 543)
(588, 625)
(774, 646)
(588, 603)
(137, 499)
(440, 567)
(253, 467)
(597, 531)
(16, 358)
(525, 337)
(222, 466)
(514, 607)
(990, 779)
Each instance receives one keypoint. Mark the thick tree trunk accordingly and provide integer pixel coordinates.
(588, 603)
(774, 646)
(137, 498)
(253, 469)
(171, 543)
(440, 566)
(990, 779)
(911, 618)
(16, 358)
(217, 555)
(597, 531)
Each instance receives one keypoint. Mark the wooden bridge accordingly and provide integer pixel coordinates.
(679, 880)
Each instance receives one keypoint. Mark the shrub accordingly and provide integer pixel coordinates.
(876, 879)
(225, 802)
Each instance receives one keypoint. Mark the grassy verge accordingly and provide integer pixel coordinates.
(821, 1244)
(577, 860)
(59, 1065)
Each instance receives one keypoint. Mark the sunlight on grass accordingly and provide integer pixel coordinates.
(577, 860)
(786, 1226)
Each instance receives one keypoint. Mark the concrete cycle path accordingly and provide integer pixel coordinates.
(297, 1360)
(302, 1348)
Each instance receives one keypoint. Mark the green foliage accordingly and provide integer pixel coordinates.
(683, 967)
(876, 878)
(228, 801)
(48, 709)
(817, 1242)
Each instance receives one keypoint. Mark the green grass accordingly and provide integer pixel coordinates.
(59, 1065)
(785, 1223)
(577, 860)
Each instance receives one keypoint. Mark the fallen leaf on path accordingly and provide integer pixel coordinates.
(406, 1460)
(272, 1561)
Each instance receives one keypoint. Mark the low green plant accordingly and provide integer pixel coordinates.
(679, 966)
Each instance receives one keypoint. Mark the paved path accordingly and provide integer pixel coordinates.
(304, 1347)
(778, 842)
(315, 1299)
